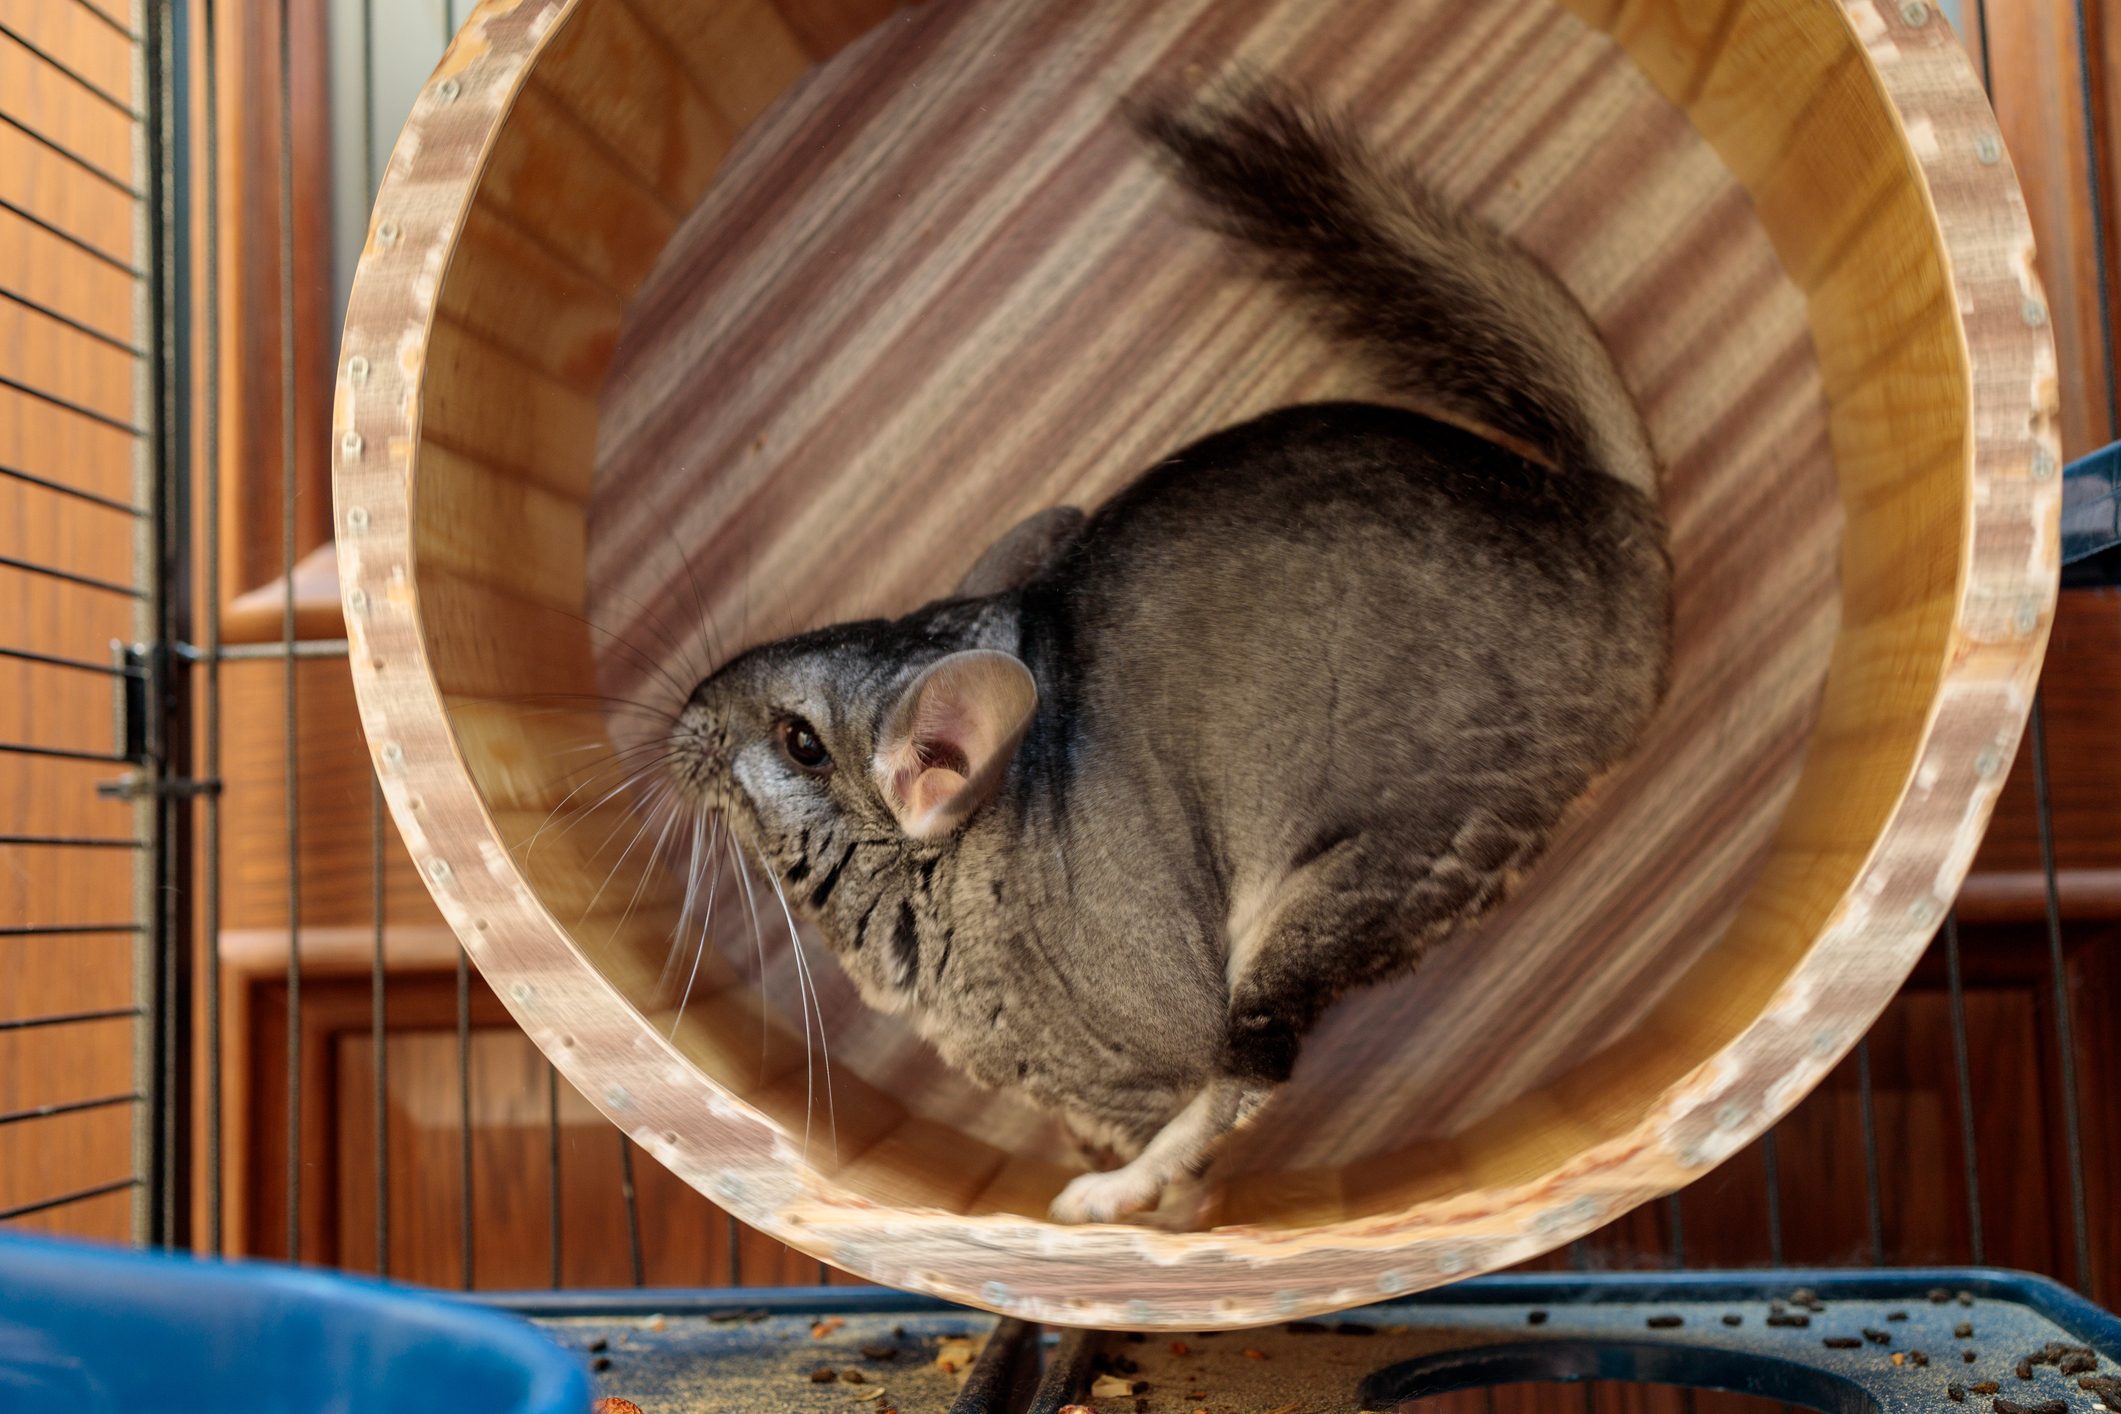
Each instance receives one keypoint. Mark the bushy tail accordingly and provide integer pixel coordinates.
(1453, 312)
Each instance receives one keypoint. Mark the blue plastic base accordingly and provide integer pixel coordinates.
(101, 1330)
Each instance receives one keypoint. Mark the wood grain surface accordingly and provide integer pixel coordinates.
(940, 287)
(1856, 131)
(67, 327)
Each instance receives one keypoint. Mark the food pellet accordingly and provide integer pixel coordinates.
(600, 1364)
(826, 1327)
(1938, 1296)
(2041, 1406)
(823, 1375)
(2106, 1387)
(1732, 1318)
(2024, 1369)
(599, 1346)
(1964, 1330)
(1179, 1347)
(1966, 1298)
(1783, 1318)
(1536, 1318)
(1968, 1356)
(2078, 1364)
(1308, 1328)
(880, 1352)
(853, 1377)
(1898, 1358)
(1876, 1336)
(1918, 1357)
(1955, 1393)
(1665, 1323)
(1841, 1342)
(1985, 1387)
(1353, 1328)
(1896, 1315)
(1252, 1354)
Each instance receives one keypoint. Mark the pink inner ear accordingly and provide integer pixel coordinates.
(933, 789)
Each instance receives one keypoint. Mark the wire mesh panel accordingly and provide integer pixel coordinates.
(83, 526)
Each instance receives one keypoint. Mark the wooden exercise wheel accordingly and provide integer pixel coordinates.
(687, 321)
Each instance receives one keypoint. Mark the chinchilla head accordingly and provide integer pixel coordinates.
(844, 760)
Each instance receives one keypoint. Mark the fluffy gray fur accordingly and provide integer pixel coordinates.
(1116, 823)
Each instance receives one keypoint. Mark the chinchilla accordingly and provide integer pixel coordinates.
(1114, 823)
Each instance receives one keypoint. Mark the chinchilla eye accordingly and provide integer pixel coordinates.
(800, 741)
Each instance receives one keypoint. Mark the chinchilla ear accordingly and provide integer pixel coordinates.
(1026, 549)
(949, 739)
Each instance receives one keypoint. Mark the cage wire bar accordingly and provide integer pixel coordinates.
(173, 675)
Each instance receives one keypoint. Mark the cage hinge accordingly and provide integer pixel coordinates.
(139, 733)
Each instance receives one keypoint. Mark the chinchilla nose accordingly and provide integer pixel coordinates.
(696, 731)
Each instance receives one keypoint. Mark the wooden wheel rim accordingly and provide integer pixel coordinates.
(1883, 911)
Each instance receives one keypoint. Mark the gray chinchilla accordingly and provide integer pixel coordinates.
(1116, 822)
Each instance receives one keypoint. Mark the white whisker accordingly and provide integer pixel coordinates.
(653, 802)
(707, 862)
(802, 963)
(692, 898)
(632, 778)
(743, 874)
(674, 809)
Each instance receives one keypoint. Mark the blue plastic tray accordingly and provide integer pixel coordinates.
(97, 1330)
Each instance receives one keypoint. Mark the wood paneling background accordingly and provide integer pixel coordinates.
(517, 1118)
(67, 328)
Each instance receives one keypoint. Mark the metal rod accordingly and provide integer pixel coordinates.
(66, 404)
(210, 412)
(1874, 1211)
(51, 660)
(378, 1022)
(108, 18)
(67, 1018)
(163, 476)
(65, 930)
(464, 1227)
(552, 1167)
(291, 722)
(2095, 204)
(39, 307)
(86, 497)
(85, 581)
(79, 1195)
(2058, 971)
(378, 977)
(86, 247)
(71, 1107)
(96, 170)
(633, 1209)
(1774, 1197)
(1969, 1147)
(71, 72)
(68, 842)
(63, 753)
(273, 652)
